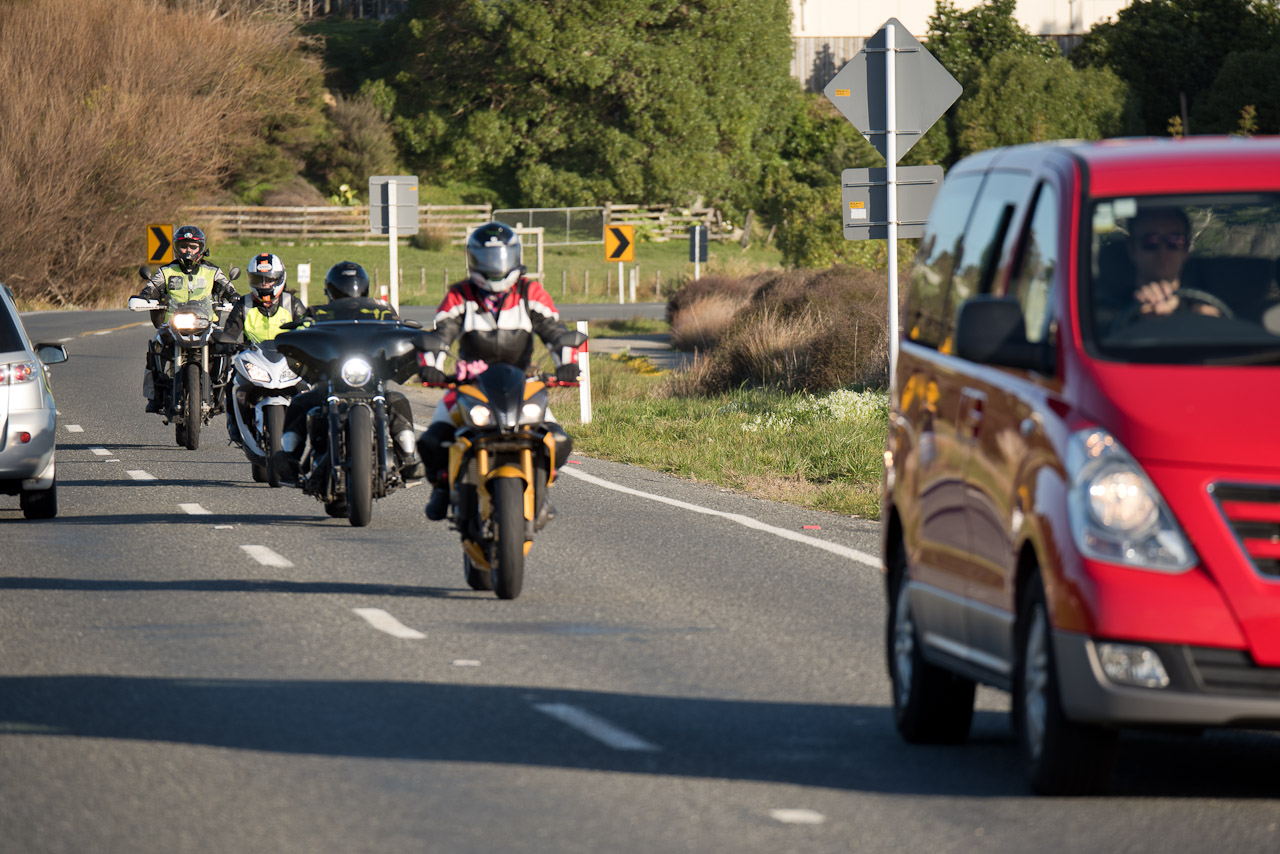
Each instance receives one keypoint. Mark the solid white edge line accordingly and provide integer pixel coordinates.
(138, 474)
(265, 556)
(384, 622)
(195, 510)
(745, 521)
(598, 728)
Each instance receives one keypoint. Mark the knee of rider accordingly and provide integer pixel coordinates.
(290, 441)
(406, 441)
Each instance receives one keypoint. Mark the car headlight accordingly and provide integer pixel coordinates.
(184, 321)
(1116, 512)
(356, 372)
(257, 373)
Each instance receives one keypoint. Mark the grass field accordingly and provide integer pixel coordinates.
(573, 274)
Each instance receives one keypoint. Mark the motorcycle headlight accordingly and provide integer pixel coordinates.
(287, 375)
(532, 412)
(257, 373)
(479, 414)
(356, 372)
(184, 321)
(1116, 512)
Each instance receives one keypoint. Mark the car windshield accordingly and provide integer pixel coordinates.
(1184, 279)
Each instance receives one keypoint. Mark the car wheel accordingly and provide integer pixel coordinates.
(930, 705)
(1061, 757)
(40, 503)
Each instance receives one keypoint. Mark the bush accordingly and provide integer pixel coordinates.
(799, 330)
(110, 121)
(433, 238)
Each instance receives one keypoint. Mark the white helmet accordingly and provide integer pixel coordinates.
(266, 280)
(493, 257)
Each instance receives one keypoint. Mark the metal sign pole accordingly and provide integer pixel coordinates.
(697, 251)
(393, 246)
(891, 176)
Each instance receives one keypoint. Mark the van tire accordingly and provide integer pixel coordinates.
(1060, 757)
(930, 705)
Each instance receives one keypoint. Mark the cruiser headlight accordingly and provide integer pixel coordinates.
(1116, 512)
(356, 372)
(184, 321)
(257, 373)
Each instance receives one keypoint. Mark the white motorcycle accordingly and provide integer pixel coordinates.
(263, 384)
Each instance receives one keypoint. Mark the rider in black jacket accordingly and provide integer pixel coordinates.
(347, 287)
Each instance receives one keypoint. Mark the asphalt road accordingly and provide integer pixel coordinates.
(192, 662)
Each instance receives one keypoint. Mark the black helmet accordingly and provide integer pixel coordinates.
(266, 281)
(346, 279)
(189, 247)
(493, 256)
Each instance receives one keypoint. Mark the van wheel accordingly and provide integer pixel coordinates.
(1060, 757)
(930, 705)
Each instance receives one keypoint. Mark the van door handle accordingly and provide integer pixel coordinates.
(973, 405)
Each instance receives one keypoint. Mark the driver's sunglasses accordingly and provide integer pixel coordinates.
(1151, 242)
(187, 247)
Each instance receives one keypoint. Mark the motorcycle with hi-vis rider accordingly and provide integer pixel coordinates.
(193, 375)
(503, 458)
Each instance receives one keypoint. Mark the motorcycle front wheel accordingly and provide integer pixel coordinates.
(508, 541)
(273, 428)
(359, 466)
(191, 387)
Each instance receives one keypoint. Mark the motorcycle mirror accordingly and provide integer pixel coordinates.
(145, 272)
(412, 324)
(234, 273)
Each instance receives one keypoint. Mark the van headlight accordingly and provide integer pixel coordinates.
(356, 372)
(1116, 512)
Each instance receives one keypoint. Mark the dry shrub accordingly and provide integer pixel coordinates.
(702, 309)
(115, 113)
(810, 330)
(432, 238)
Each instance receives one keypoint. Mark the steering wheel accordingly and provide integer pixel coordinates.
(1194, 294)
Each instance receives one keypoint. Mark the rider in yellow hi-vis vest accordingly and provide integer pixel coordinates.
(260, 314)
(188, 279)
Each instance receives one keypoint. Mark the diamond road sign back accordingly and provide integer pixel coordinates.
(924, 89)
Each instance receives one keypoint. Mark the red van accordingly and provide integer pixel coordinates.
(1082, 474)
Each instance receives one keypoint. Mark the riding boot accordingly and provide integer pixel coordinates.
(406, 451)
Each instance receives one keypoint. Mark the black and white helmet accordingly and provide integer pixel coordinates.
(494, 257)
(189, 247)
(266, 280)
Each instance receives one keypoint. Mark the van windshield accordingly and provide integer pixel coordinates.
(1184, 279)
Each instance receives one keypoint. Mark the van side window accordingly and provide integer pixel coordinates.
(984, 236)
(925, 320)
(1032, 282)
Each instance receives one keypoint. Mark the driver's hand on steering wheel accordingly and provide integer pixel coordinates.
(1162, 298)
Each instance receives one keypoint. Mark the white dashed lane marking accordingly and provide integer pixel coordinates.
(138, 474)
(384, 622)
(797, 816)
(102, 452)
(194, 510)
(74, 428)
(598, 728)
(266, 556)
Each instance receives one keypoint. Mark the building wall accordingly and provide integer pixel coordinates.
(812, 18)
(826, 34)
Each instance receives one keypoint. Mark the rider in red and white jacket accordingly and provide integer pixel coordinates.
(492, 315)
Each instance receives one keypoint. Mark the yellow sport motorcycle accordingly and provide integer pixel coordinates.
(502, 461)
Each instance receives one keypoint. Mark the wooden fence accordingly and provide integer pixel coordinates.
(324, 223)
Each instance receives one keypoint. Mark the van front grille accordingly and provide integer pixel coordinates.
(1253, 512)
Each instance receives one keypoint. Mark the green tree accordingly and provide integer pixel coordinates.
(1165, 49)
(1021, 98)
(556, 102)
(1249, 78)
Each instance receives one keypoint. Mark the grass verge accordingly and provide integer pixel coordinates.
(824, 451)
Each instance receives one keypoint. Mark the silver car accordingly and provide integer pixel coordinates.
(28, 419)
